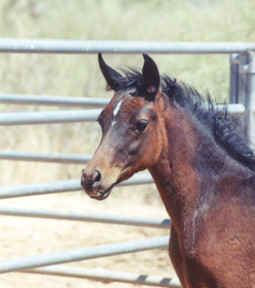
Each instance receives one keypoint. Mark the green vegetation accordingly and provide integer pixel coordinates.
(72, 75)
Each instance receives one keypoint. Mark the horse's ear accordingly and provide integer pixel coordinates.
(111, 76)
(151, 77)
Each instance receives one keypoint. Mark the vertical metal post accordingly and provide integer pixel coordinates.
(234, 78)
(250, 99)
(239, 87)
(242, 91)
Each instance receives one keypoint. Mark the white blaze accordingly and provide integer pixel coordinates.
(117, 109)
(115, 112)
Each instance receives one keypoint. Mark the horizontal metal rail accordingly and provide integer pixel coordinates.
(62, 158)
(48, 117)
(106, 276)
(51, 117)
(82, 101)
(11, 45)
(83, 254)
(53, 100)
(234, 109)
(61, 186)
(74, 216)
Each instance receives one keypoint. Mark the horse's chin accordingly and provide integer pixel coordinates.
(100, 194)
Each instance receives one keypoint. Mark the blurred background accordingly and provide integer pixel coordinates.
(77, 76)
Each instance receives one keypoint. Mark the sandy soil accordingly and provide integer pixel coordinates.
(30, 236)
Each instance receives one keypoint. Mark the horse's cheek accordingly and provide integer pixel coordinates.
(133, 148)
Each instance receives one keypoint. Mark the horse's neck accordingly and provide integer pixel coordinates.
(190, 164)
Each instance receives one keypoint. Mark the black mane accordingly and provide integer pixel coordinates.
(226, 131)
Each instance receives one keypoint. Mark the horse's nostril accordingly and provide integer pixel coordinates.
(88, 180)
(96, 176)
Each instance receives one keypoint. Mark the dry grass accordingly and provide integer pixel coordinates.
(194, 20)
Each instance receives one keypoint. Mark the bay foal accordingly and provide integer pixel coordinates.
(202, 167)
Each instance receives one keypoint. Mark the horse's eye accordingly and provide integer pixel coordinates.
(141, 125)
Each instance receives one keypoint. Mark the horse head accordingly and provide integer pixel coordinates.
(130, 123)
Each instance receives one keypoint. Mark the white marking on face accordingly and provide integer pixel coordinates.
(117, 109)
(115, 112)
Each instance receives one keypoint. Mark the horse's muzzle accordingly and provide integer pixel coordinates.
(91, 184)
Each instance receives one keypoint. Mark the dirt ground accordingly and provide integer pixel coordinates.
(30, 236)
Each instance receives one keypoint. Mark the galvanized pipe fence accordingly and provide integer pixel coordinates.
(83, 217)
(242, 85)
(242, 90)
(80, 254)
(105, 276)
(69, 185)
(9, 45)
